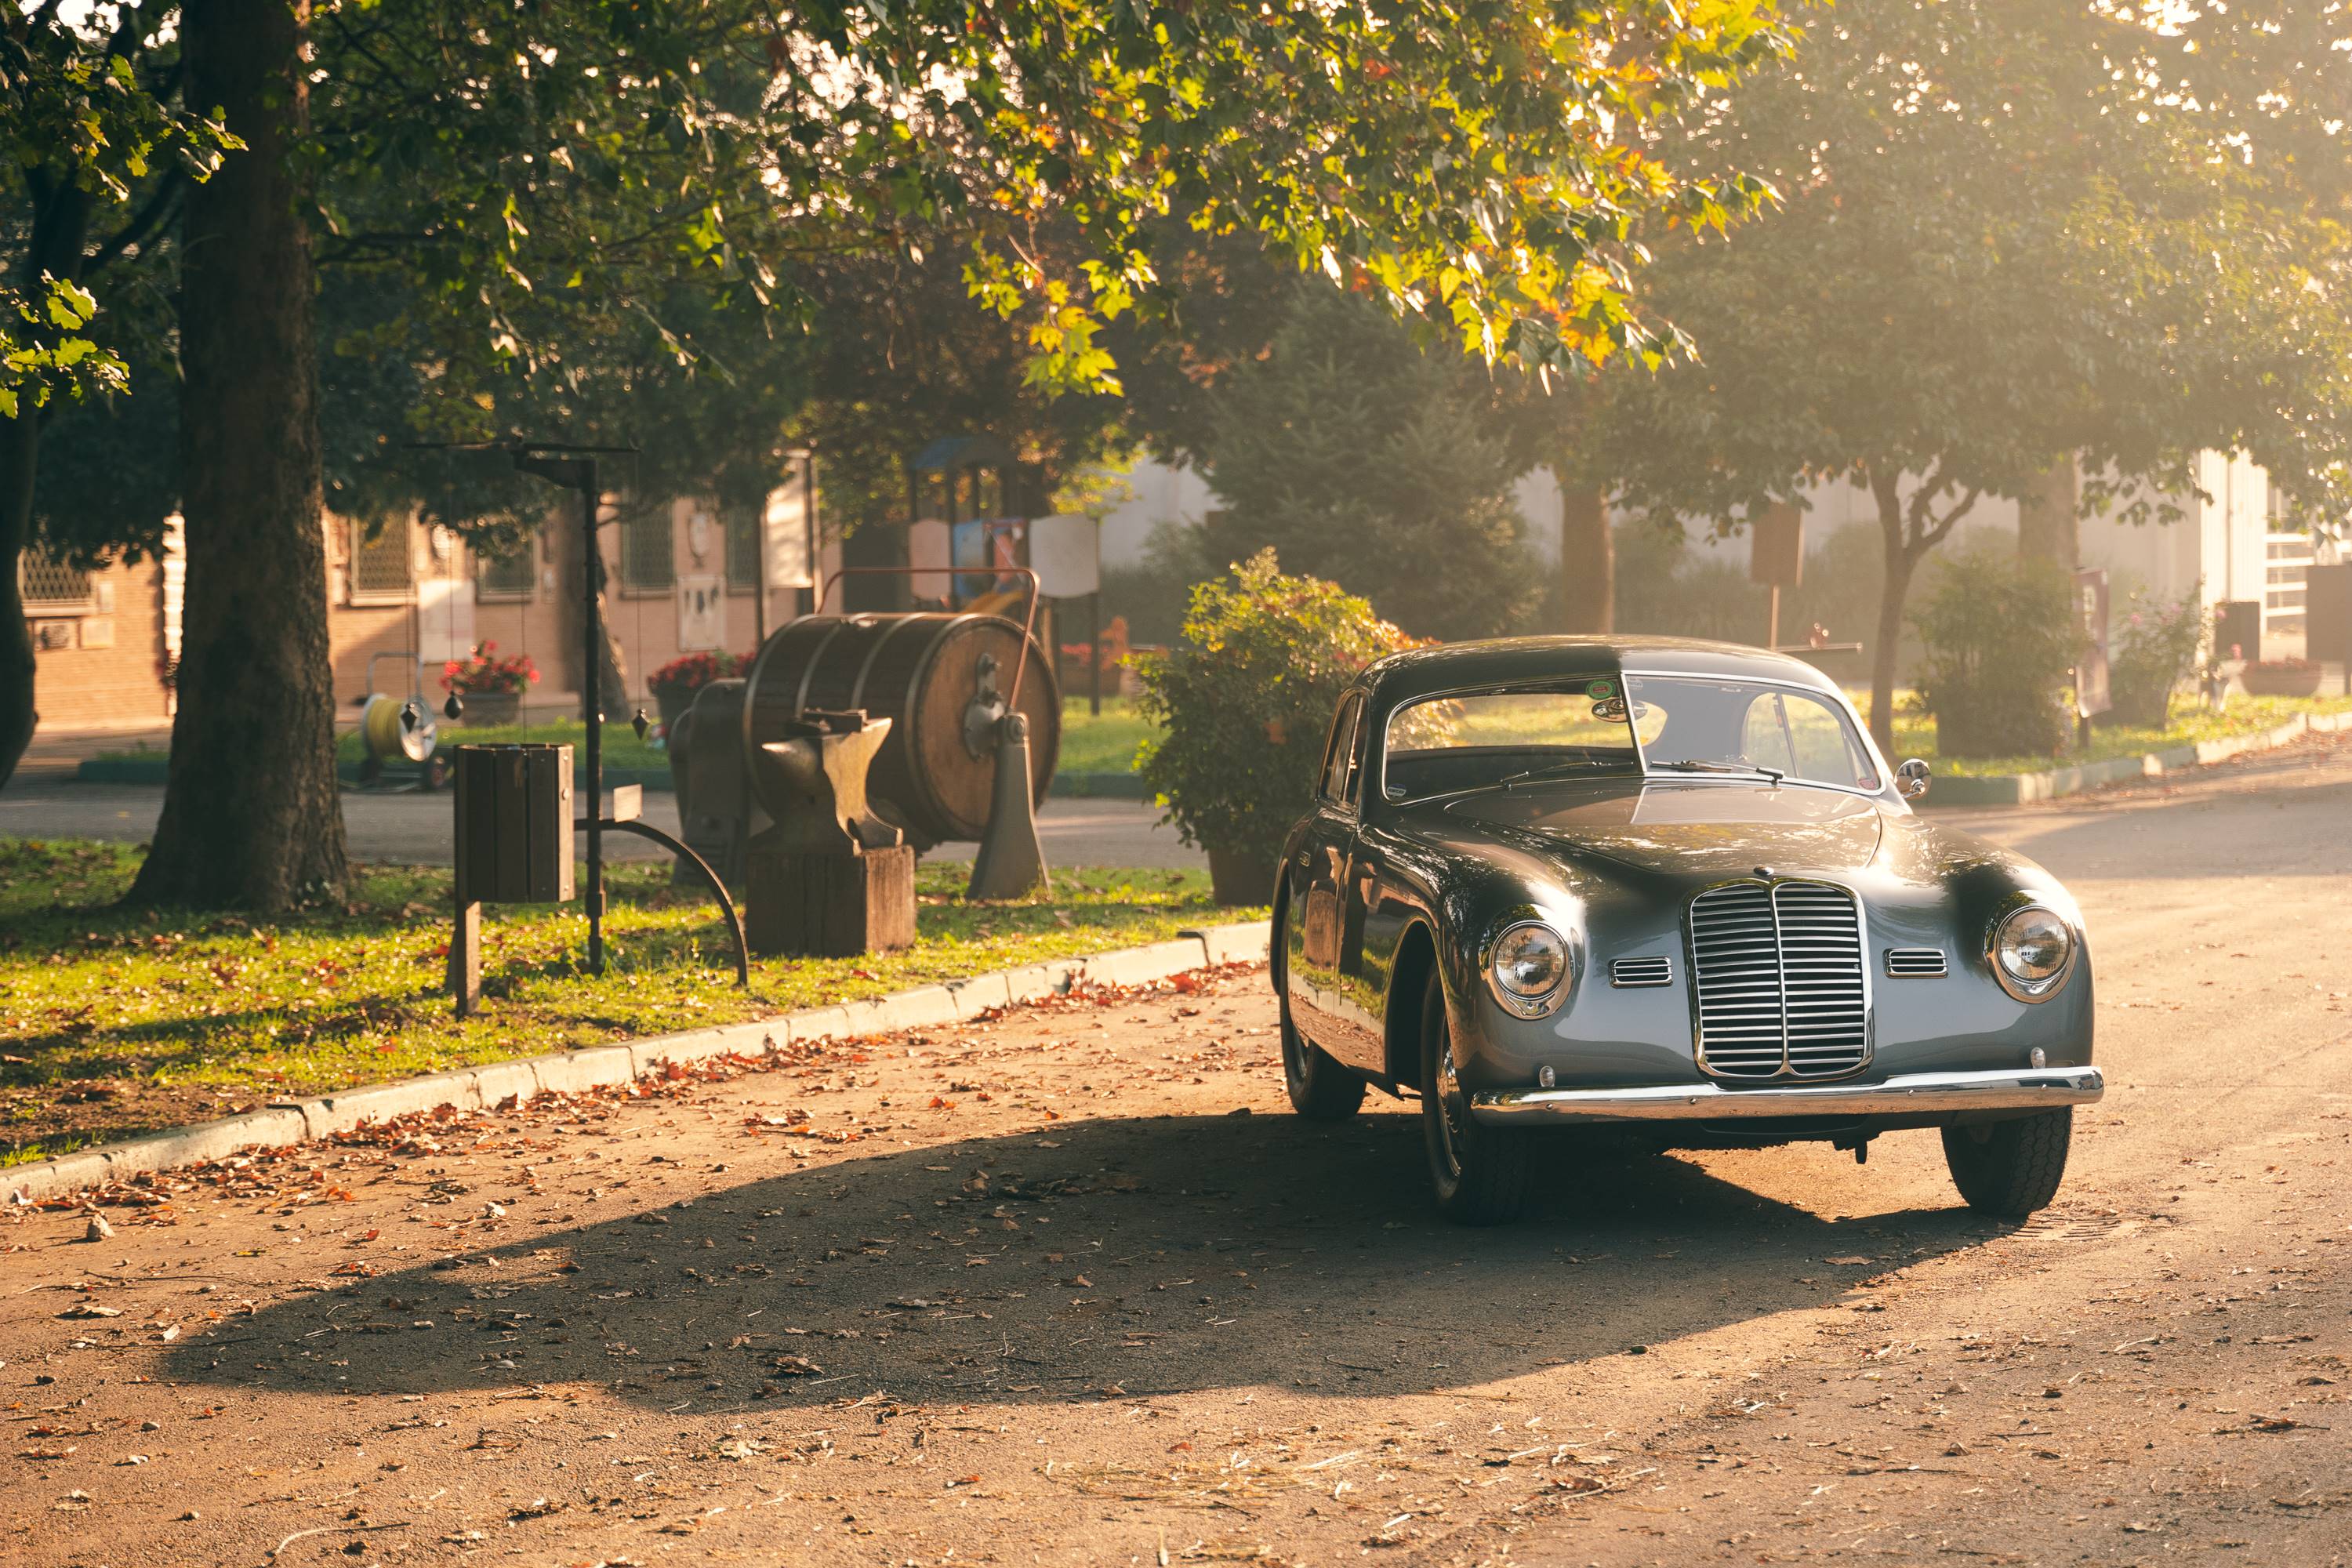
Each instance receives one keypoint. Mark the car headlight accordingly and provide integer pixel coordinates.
(2031, 949)
(1529, 968)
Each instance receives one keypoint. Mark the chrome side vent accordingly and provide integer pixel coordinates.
(1916, 963)
(1782, 984)
(1631, 971)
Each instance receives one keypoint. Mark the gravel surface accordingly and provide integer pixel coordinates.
(1071, 1287)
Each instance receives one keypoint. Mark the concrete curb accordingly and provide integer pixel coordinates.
(569, 1072)
(2023, 789)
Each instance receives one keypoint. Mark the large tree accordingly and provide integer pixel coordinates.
(1999, 247)
(1478, 165)
(1362, 458)
(98, 151)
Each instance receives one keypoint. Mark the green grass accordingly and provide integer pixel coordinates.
(1914, 735)
(1104, 743)
(351, 993)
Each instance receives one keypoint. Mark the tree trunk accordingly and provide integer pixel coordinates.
(2047, 526)
(20, 445)
(1884, 656)
(250, 813)
(60, 229)
(1587, 563)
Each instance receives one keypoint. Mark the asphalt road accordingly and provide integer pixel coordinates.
(415, 829)
(1070, 1287)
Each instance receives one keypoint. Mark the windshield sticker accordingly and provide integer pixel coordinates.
(1600, 689)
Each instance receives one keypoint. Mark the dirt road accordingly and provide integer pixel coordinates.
(1071, 1287)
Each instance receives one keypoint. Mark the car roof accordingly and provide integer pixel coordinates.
(1450, 667)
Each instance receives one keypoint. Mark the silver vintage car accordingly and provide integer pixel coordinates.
(1669, 887)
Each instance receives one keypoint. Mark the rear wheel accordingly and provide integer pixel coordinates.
(1321, 1088)
(1482, 1175)
(2011, 1168)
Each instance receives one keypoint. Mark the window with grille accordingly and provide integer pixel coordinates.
(49, 583)
(511, 576)
(742, 547)
(649, 558)
(383, 566)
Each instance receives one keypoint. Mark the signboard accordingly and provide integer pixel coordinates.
(1778, 558)
(929, 544)
(1066, 551)
(701, 614)
(785, 523)
(2091, 695)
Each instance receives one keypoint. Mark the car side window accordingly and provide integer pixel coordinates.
(1339, 753)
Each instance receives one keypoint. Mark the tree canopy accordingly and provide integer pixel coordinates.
(2000, 245)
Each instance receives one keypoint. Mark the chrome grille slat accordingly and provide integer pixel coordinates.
(1916, 963)
(1780, 980)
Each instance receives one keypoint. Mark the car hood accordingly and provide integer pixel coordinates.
(1702, 829)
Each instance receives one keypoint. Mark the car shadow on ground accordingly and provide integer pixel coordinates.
(1117, 1257)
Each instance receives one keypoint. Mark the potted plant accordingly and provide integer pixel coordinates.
(490, 686)
(2156, 649)
(2281, 677)
(675, 683)
(1240, 705)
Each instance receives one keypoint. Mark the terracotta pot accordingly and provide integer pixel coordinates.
(2291, 682)
(485, 709)
(1237, 879)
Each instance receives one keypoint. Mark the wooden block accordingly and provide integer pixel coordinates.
(466, 959)
(829, 906)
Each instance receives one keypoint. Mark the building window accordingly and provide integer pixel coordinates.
(49, 584)
(511, 577)
(384, 566)
(648, 555)
(743, 548)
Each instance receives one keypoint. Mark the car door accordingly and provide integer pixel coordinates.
(1316, 875)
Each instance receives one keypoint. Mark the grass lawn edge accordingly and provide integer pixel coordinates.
(2024, 789)
(488, 1085)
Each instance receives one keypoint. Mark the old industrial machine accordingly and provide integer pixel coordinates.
(935, 696)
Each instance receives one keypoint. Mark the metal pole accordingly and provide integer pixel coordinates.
(1094, 651)
(1772, 620)
(593, 702)
(759, 575)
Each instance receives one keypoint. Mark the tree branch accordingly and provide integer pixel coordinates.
(147, 219)
(1935, 535)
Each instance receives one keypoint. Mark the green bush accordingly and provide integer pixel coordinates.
(2000, 636)
(1243, 703)
(2155, 649)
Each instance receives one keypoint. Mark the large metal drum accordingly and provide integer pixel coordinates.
(942, 677)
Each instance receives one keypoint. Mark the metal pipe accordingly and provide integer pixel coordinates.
(593, 703)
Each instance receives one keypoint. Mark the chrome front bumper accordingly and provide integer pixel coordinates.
(2031, 1089)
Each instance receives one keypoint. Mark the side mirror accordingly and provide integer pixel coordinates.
(1911, 779)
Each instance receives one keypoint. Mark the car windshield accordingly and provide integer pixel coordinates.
(1480, 739)
(1700, 725)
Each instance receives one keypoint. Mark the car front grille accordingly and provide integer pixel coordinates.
(1916, 963)
(1779, 972)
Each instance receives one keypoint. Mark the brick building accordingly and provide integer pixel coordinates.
(415, 596)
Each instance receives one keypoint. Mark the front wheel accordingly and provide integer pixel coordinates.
(1482, 1175)
(1321, 1088)
(2011, 1168)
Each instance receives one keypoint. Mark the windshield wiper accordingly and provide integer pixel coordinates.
(1550, 768)
(1704, 765)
